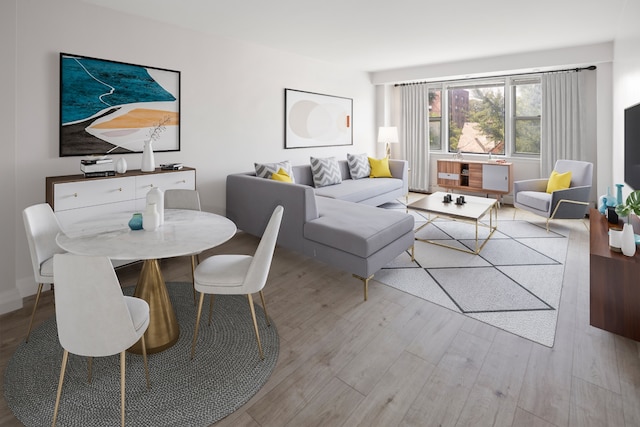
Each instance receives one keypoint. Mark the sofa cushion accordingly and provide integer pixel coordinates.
(358, 190)
(534, 199)
(380, 168)
(355, 228)
(325, 171)
(265, 170)
(359, 166)
(281, 175)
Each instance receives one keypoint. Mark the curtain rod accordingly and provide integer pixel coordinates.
(590, 68)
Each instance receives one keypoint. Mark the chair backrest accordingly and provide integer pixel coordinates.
(258, 271)
(91, 312)
(181, 199)
(581, 172)
(42, 227)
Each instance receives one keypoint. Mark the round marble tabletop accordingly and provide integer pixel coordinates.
(184, 232)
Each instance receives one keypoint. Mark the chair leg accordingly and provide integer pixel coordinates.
(193, 277)
(65, 357)
(195, 331)
(89, 368)
(123, 358)
(366, 284)
(144, 358)
(264, 307)
(255, 324)
(33, 313)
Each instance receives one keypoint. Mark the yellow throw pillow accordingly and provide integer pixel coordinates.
(380, 168)
(281, 175)
(558, 181)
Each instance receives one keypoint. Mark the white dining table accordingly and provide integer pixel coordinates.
(184, 232)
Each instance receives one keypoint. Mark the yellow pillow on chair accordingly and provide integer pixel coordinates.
(558, 181)
(380, 168)
(281, 175)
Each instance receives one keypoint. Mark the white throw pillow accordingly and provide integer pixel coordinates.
(325, 171)
(359, 166)
(265, 170)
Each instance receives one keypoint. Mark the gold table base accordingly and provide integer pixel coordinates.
(163, 330)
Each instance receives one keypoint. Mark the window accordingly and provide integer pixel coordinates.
(526, 117)
(474, 116)
(435, 120)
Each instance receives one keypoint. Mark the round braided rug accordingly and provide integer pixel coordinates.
(224, 374)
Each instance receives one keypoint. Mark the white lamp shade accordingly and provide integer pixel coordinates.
(388, 134)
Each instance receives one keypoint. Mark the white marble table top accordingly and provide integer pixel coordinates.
(184, 232)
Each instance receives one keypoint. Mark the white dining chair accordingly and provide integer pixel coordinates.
(179, 198)
(239, 275)
(94, 318)
(42, 227)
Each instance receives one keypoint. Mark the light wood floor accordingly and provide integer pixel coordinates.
(397, 360)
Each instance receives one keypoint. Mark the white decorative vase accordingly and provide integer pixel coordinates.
(628, 240)
(121, 165)
(148, 161)
(150, 218)
(156, 196)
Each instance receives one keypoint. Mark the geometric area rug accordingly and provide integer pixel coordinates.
(224, 374)
(514, 283)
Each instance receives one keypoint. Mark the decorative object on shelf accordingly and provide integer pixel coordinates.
(135, 223)
(612, 216)
(151, 219)
(619, 194)
(121, 165)
(156, 196)
(388, 135)
(148, 160)
(628, 240)
(615, 238)
(631, 205)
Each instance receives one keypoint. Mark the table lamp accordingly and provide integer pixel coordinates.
(388, 135)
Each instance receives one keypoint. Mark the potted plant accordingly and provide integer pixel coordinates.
(631, 205)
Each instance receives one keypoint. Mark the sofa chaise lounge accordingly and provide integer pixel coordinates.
(338, 224)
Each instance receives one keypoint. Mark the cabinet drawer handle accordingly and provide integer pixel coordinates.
(75, 194)
(120, 189)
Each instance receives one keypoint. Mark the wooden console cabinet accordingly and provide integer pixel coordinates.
(475, 176)
(614, 282)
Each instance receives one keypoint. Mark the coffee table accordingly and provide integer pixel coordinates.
(473, 210)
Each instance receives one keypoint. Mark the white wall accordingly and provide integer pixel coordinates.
(626, 82)
(232, 104)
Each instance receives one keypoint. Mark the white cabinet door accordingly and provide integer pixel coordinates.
(181, 179)
(495, 177)
(79, 194)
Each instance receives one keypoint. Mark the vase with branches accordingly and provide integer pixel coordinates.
(148, 160)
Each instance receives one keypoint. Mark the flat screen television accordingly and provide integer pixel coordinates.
(632, 146)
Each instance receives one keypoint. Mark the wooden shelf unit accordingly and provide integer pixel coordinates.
(614, 282)
(475, 176)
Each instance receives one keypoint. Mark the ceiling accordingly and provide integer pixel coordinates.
(376, 35)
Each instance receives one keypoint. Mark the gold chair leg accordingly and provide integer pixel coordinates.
(65, 357)
(195, 331)
(264, 307)
(144, 358)
(255, 324)
(123, 358)
(90, 368)
(33, 313)
(193, 277)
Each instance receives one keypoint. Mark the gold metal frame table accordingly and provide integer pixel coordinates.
(473, 210)
(184, 232)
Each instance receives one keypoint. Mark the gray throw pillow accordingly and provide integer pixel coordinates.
(265, 170)
(325, 171)
(359, 166)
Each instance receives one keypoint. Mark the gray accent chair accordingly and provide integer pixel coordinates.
(570, 203)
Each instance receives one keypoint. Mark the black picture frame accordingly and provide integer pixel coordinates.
(111, 107)
(317, 120)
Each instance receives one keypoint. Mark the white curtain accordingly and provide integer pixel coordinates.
(562, 124)
(414, 131)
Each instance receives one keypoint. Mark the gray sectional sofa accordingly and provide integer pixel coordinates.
(338, 224)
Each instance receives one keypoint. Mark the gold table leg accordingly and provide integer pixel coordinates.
(163, 330)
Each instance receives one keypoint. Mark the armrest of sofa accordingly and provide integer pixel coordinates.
(251, 201)
(400, 169)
